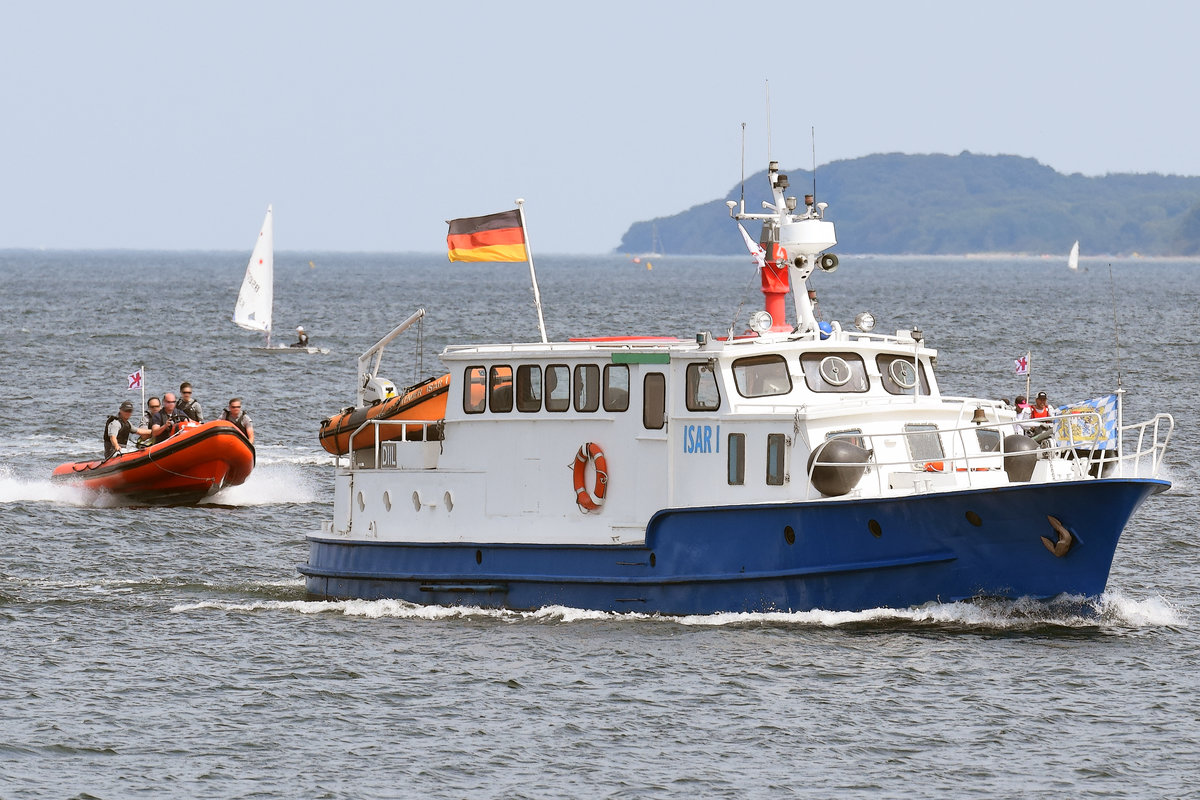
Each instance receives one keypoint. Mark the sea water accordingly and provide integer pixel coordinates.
(171, 652)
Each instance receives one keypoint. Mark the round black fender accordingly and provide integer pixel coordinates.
(842, 466)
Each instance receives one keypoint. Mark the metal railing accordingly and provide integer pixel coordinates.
(1139, 452)
(406, 425)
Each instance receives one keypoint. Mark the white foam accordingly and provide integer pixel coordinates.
(269, 484)
(1109, 610)
(19, 490)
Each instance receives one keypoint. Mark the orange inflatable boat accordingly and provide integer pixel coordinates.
(425, 402)
(198, 460)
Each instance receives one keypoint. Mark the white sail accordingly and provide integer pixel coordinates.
(253, 309)
(1073, 259)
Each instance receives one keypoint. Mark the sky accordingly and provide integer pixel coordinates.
(152, 125)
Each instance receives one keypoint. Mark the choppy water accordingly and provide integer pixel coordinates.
(171, 653)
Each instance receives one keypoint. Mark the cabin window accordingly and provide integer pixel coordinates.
(587, 387)
(474, 390)
(776, 444)
(654, 401)
(989, 440)
(834, 372)
(852, 435)
(737, 458)
(529, 388)
(898, 374)
(703, 394)
(924, 443)
(761, 376)
(616, 387)
(500, 389)
(558, 387)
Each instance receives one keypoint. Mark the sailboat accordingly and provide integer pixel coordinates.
(1073, 258)
(255, 301)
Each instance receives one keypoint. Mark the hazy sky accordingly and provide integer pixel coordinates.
(367, 124)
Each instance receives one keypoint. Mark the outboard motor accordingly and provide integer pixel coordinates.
(1020, 457)
(377, 390)
(842, 466)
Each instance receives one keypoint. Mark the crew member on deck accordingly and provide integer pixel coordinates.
(118, 428)
(302, 338)
(153, 418)
(1039, 410)
(187, 406)
(170, 415)
(235, 415)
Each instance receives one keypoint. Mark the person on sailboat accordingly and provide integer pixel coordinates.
(234, 414)
(302, 336)
(187, 406)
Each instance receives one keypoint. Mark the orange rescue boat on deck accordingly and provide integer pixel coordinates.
(424, 402)
(197, 460)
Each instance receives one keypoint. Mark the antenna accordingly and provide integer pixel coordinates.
(743, 206)
(814, 154)
(768, 83)
(1116, 331)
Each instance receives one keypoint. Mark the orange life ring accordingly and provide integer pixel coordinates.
(590, 500)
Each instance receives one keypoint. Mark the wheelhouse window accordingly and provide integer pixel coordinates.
(616, 387)
(654, 401)
(500, 389)
(900, 375)
(989, 440)
(474, 390)
(834, 372)
(587, 387)
(529, 388)
(852, 435)
(703, 394)
(761, 376)
(776, 448)
(736, 448)
(558, 387)
(924, 443)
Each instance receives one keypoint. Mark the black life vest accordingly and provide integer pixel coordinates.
(122, 435)
(186, 409)
(238, 421)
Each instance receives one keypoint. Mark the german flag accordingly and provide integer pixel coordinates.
(496, 237)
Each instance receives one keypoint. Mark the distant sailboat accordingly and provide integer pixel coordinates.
(254, 303)
(1073, 259)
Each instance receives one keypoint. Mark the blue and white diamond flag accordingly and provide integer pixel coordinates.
(1096, 424)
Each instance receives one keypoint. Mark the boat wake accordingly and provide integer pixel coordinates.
(19, 490)
(269, 484)
(1111, 611)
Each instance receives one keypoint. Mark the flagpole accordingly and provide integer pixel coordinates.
(143, 389)
(1028, 372)
(537, 296)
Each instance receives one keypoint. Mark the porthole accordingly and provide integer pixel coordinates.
(974, 519)
(362, 502)
(653, 560)
(835, 371)
(387, 500)
(875, 528)
(789, 535)
(416, 501)
(448, 500)
(478, 556)
(903, 373)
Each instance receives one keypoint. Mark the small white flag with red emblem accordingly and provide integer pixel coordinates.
(1022, 364)
(135, 380)
(756, 252)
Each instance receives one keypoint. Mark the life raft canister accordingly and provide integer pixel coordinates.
(590, 500)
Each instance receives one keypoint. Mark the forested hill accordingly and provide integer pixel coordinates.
(967, 203)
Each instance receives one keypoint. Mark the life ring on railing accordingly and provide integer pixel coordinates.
(590, 500)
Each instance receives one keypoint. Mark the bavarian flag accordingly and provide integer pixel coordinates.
(495, 237)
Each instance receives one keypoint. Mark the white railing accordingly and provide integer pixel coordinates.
(406, 426)
(1139, 452)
